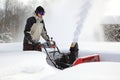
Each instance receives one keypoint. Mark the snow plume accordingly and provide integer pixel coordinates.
(90, 18)
(86, 4)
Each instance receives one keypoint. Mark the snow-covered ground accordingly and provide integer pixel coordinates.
(108, 51)
(16, 64)
(89, 71)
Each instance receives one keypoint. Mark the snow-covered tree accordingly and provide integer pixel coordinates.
(12, 18)
(112, 32)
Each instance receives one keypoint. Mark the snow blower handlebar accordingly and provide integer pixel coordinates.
(49, 57)
(51, 44)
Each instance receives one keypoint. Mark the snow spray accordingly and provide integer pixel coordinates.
(88, 26)
(86, 4)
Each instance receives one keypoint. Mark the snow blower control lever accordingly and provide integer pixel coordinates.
(52, 43)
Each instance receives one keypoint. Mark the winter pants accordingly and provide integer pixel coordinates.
(28, 47)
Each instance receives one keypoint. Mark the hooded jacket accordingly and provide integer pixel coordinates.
(34, 28)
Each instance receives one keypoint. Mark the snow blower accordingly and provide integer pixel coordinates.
(62, 60)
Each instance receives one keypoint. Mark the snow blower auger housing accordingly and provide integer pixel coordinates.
(58, 59)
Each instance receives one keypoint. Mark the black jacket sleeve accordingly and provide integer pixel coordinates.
(29, 24)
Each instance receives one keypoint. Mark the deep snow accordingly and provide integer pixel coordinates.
(28, 65)
(89, 71)
(16, 64)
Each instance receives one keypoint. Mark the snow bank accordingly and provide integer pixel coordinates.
(10, 47)
(24, 65)
(89, 71)
(108, 51)
(16, 64)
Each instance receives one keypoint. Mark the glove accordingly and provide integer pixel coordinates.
(36, 44)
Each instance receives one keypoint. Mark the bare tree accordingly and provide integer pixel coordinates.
(12, 18)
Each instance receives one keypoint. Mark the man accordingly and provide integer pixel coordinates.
(34, 29)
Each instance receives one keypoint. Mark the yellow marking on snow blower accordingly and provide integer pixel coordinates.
(73, 44)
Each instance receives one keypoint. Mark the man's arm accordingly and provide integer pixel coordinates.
(27, 31)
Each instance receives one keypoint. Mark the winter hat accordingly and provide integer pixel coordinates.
(40, 10)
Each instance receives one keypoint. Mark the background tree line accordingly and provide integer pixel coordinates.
(12, 20)
(112, 32)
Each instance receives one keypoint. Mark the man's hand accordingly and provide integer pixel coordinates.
(35, 44)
